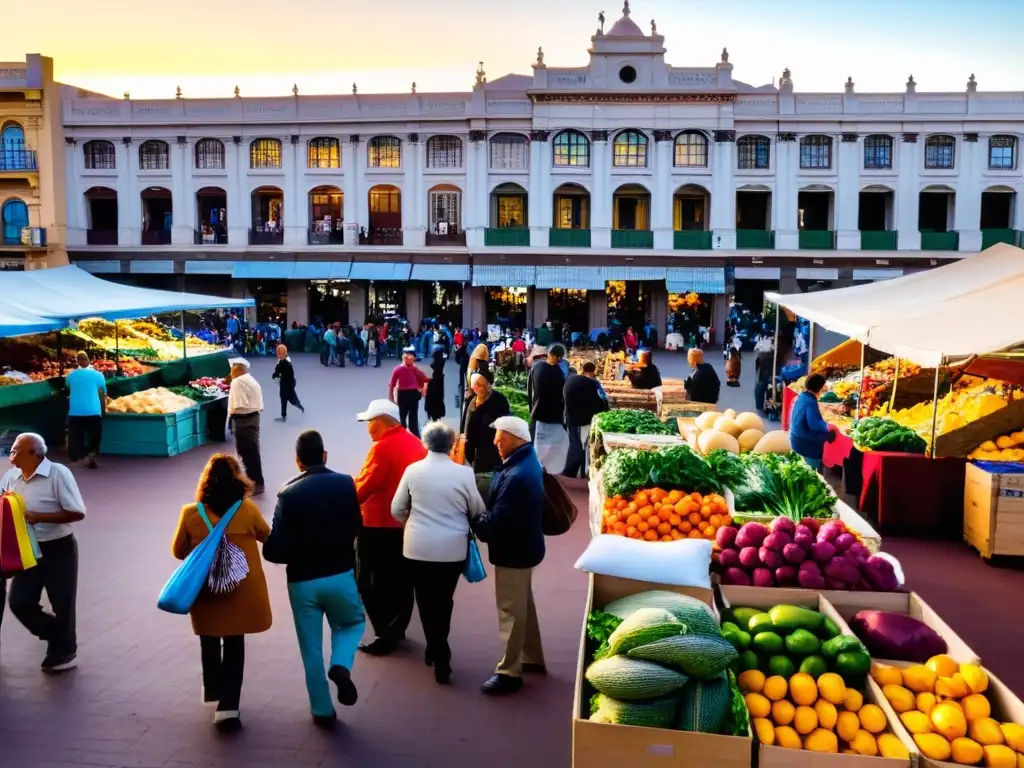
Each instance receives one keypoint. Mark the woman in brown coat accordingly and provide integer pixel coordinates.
(222, 621)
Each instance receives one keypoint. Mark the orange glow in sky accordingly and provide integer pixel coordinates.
(210, 46)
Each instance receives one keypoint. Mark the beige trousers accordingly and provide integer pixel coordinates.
(517, 620)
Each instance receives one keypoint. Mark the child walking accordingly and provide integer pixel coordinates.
(285, 372)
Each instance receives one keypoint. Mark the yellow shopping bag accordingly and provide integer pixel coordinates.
(19, 550)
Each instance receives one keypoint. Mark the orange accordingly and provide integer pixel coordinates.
(715, 520)
(674, 496)
(696, 497)
(620, 503)
(633, 519)
(694, 518)
(694, 534)
(674, 519)
(619, 526)
(631, 531)
(682, 507)
(651, 536)
(705, 511)
(642, 526)
(631, 507)
(726, 520)
(676, 535)
(666, 537)
(664, 528)
(653, 521)
(640, 499)
(665, 513)
(684, 526)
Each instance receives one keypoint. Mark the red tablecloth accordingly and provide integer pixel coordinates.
(912, 495)
(788, 398)
(837, 451)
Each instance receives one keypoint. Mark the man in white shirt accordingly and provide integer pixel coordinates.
(245, 401)
(52, 503)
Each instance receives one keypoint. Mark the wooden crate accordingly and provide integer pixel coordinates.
(994, 512)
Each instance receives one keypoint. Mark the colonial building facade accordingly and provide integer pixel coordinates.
(629, 169)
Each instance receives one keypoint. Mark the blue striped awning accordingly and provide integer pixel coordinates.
(695, 280)
(573, 278)
(633, 273)
(441, 272)
(321, 270)
(379, 270)
(264, 270)
(209, 267)
(108, 267)
(504, 277)
(161, 267)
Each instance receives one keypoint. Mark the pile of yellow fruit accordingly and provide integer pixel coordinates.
(1004, 448)
(943, 706)
(822, 716)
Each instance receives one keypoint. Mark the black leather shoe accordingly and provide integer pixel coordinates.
(499, 685)
(443, 674)
(428, 658)
(379, 647)
(341, 677)
(535, 669)
(325, 721)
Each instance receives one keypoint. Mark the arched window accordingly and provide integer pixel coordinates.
(939, 152)
(154, 156)
(510, 152)
(385, 152)
(323, 152)
(816, 152)
(265, 153)
(14, 214)
(14, 155)
(878, 152)
(753, 153)
(210, 155)
(100, 155)
(444, 152)
(630, 150)
(571, 149)
(691, 150)
(1002, 153)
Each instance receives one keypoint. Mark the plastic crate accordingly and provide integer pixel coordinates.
(131, 434)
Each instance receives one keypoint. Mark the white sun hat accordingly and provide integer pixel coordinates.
(514, 426)
(378, 408)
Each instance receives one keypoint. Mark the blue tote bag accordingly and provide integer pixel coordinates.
(474, 570)
(185, 584)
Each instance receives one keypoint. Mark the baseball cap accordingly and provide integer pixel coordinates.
(514, 426)
(238, 361)
(378, 408)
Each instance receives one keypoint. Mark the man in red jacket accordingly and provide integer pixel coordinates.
(382, 572)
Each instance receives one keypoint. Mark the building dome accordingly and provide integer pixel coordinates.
(625, 27)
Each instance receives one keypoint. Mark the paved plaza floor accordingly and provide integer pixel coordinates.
(134, 700)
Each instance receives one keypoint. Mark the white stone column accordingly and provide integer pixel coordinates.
(547, 200)
(967, 219)
(538, 232)
(296, 206)
(846, 206)
(298, 301)
(723, 192)
(661, 194)
(908, 193)
(239, 201)
(350, 196)
(468, 217)
(1018, 215)
(182, 208)
(77, 216)
(414, 205)
(601, 197)
(129, 206)
(482, 203)
(363, 193)
(784, 206)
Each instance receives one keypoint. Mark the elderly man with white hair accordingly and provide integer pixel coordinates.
(245, 402)
(52, 503)
(436, 500)
(513, 530)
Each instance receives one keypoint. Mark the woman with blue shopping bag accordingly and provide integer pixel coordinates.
(436, 499)
(218, 537)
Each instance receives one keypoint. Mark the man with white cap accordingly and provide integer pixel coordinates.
(513, 530)
(382, 572)
(245, 401)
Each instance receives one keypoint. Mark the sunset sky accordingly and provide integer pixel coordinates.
(209, 46)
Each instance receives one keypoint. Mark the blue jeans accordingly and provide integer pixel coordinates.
(337, 598)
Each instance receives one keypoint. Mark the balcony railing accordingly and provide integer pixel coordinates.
(762, 239)
(691, 240)
(632, 238)
(212, 237)
(940, 241)
(990, 237)
(17, 157)
(507, 236)
(569, 238)
(156, 237)
(452, 238)
(817, 240)
(331, 237)
(266, 237)
(381, 236)
(101, 237)
(878, 240)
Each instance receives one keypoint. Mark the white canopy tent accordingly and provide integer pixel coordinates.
(68, 293)
(13, 322)
(971, 307)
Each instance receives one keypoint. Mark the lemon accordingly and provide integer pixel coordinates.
(886, 674)
(802, 689)
(775, 688)
(949, 721)
(933, 746)
(847, 725)
(943, 665)
(919, 679)
(827, 714)
(985, 731)
(764, 730)
(966, 752)
(975, 677)
(926, 702)
(890, 746)
(821, 740)
(782, 712)
(787, 738)
(757, 705)
(899, 698)
(976, 707)
(854, 700)
(1014, 735)
(864, 743)
(999, 756)
(832, 688)
(872, 718)
(805, 720)
(916, 722)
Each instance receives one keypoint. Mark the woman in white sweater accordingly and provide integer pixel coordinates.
(436, 499)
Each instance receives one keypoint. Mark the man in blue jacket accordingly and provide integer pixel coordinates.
(315, 527)
(808, 431)
(513, 530)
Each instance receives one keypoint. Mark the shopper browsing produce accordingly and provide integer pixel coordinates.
(245, 402)
(808, 431)
(703, 386)
(87, 394)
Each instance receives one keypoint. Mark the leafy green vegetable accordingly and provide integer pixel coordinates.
(728, 468)
(737, 722)
(504, 377)
(784, 485)
(628, 421)
(677, 468)
(595, 703)
(886, 435)
(600, 626)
